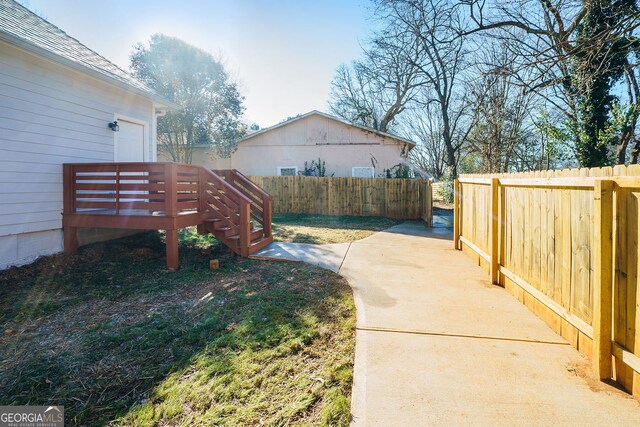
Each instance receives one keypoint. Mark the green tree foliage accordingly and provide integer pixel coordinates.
(557, 132)
(573, 54)
(598, 65)
(210, 104)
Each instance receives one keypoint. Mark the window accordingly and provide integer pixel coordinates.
(287, 170)
(362, 172)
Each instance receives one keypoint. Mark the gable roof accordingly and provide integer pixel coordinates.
(410, 143)
(22, 28)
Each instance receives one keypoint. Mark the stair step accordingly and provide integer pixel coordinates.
(258, 244)
(255, 234)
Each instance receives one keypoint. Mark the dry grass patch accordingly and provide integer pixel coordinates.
(118, 340)
(320, 229)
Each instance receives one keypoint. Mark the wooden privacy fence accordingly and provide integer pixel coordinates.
(394, 198)
(566, 244)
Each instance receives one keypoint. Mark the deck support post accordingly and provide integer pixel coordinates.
(603, 281)
(70, 239)
(70, 234)
(173, 261)
(171, 210)
(202, 197)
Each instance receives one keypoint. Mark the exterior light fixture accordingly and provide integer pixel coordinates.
(114, 126)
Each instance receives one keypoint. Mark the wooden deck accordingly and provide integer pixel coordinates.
(166, 196)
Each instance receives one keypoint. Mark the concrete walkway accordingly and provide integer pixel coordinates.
(437, 344)
(328, 256)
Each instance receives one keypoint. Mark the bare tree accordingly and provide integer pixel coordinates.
(577, 50)
(374, 90)
(502, 132)
(627, 120)
(425, 128)
(433, 26)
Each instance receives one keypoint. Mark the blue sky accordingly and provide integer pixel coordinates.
(283, 53)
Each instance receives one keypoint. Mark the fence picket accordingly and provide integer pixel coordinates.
(395, 198)
(552, 256)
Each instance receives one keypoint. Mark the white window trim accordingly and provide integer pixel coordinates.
(353, 170)
(287, 167)
(145, 130)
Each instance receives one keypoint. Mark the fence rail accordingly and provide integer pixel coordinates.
(566, 244)
(394, 198)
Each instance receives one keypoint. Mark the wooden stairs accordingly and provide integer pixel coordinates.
(166, 196)
(239, 212)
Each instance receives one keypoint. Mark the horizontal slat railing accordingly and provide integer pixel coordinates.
(104, 194)
(131, 188)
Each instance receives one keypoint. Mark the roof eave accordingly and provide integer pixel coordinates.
(36, 50)
(411, 144)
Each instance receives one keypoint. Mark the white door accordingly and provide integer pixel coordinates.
(129, 142)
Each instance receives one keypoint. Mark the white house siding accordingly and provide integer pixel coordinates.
(341, 146)
(50, 115)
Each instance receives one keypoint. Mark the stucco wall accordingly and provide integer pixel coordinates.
(50, 115)
(341, 146)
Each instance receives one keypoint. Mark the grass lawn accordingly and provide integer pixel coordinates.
(319, 229)
(115, 338)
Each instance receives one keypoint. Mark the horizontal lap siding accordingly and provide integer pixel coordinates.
(50, 115)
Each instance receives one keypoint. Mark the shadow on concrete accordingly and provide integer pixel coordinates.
(418, 228)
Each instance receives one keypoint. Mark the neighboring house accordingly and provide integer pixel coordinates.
(57, 98)
(348, 150)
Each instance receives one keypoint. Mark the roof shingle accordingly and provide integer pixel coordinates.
(20, 23)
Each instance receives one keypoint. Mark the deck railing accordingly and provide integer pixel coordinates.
(260, 201)
(130, 188)
(228, 205)
(164, 196)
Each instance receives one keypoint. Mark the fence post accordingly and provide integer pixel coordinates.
(456, 214)
(430, 203)
(603, 280)
(494, 228)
